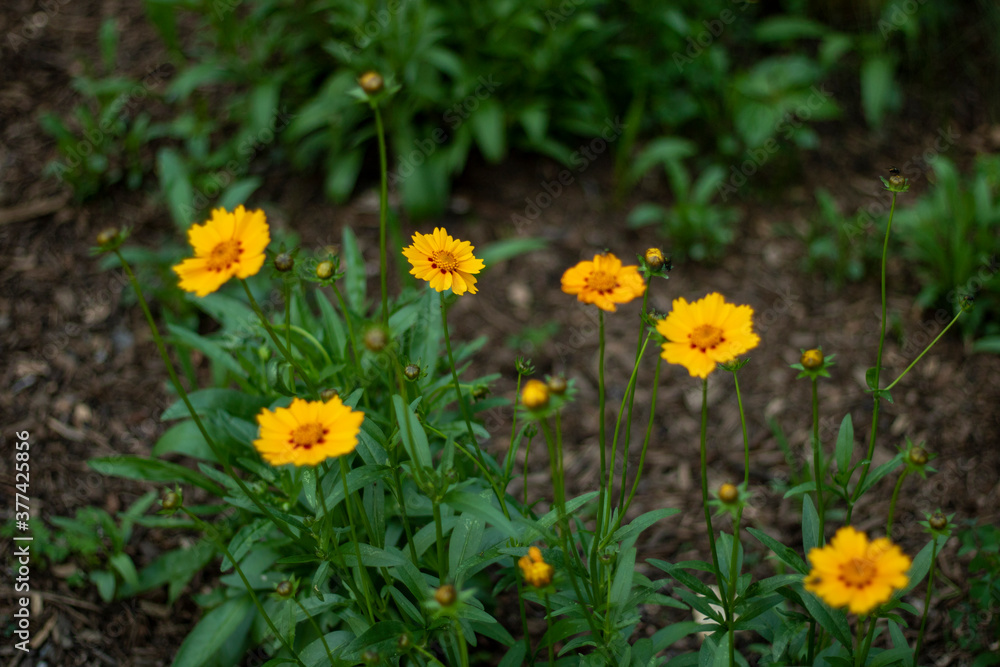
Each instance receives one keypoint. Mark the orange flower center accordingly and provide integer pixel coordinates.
(706, 337)
(308, 435)
(600, 281)
(443, 260)
(857, 572)
(224, 255)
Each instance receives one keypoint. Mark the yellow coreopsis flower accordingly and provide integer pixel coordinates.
(604, 282)
(229, 244)
(535, 394)
(444, 262)
(852, 572)
(705, 333)
(536, 571)
(308, 432)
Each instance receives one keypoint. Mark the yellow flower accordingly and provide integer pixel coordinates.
(307, 432)
(604, 282)
(536, 571)
(535, 394)
(852, 572)
(705, 333)
(444, 262)
(229, 244)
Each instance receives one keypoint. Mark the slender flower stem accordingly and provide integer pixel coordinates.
(878, 371)
(863, 657)
(626, 400)
(350, 327)
(208, 530)
(892, 503)
(733, 577)
(383, 210)
(818, 464)
(704, 479)
(439, 541)
(548, 626)
(286, 353)
(524, 621)
(509, 463)
(927, 600)
(639, 348)
(288, 325)
(179, 388)
(926, 350)
(319, 631)
(603, 495)
(642, 455)
(354, 538)
(463, 648)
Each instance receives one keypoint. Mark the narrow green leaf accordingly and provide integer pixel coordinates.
(152, 470)
(844, 449)
(832, 620)
(810, 525)
(412, 432)
(641, 523)
(922, 563)
(799, 489)
(784, 554)
(355, 275)
(212, 632)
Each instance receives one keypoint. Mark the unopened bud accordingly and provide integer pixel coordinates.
(728, 494)
(412, 371)
(371, 82)
(918, 456)
(370, 657)
(324, 270)
(328, 395)
(106, 236)
(376, 339)
(284, 589)
(557, 385)
(654, 258)
(404, 643)
(938, 521)
(284, 262)
(171, 500)
(446, 595)
(812, 359)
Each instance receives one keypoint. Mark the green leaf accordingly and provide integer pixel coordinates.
(412, 432)
(211, 349)
(879, 92)
(784, 554)
(784, 28)
(892, 656)
(845, 447)
(374, 637)
(466, 537)
(204, 401)
(921, 564)
(184, 438)
(810, 525)
(175, 183)
(799, 489)
(489, 130)
(238, 192)
(500, 251)
(342, 174)
(832, 620)
(641, 523)
(123, 565)
(670, 634)
(105, 582)
(514, 656)
(212, 632)
(622, 584)
(876, 476)
(244, 540)
(870, 378)
(175, 568)
(481, 506)
(152, 470)
(355, 274)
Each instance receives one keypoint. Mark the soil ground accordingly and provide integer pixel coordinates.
(81, 374)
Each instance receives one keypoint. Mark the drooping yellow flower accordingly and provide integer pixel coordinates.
(852, 572)
(444, 262)
(705, 333)
(535, 394)
(604, 282)
(307, 432)
(536, 571)
(229, 244)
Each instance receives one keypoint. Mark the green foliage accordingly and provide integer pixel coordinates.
(951, 238)
(974, 620)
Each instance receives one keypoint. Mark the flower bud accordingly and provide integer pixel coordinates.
(446, 595)
(107, 236)
(412, 372)
(557, 385)
(328, 395)
(480, 391)
(284, 262)
(376, 339)
(729, 494)
(535, 394)
(812, 359)
(523, 366)
(171, 500)
(918, 456)
(404, 643)
(285, 589)
(371, 657)
(938, 521)
(371, 82)
(324, 270)
(654, 258)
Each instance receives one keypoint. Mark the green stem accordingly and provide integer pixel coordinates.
(878, 370)
(350, 327)
(354, 538)
(509, 463)
(639, 348)
(383, 210)
(927, 601)
(818, 463)
(704, 479)
(626, 405)
(319, 631)
(811, 650)
(239, 570)
(595, 566)
(463, 648)
(288, 326)
(179, 388)
(548, 626)
(868, 642)
(892, 503)
(524, 621)
(286, 353)
(439, 540)
(733, 577)
(642, 455)
(926, 350)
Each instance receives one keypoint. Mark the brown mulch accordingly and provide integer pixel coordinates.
(82, 376)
